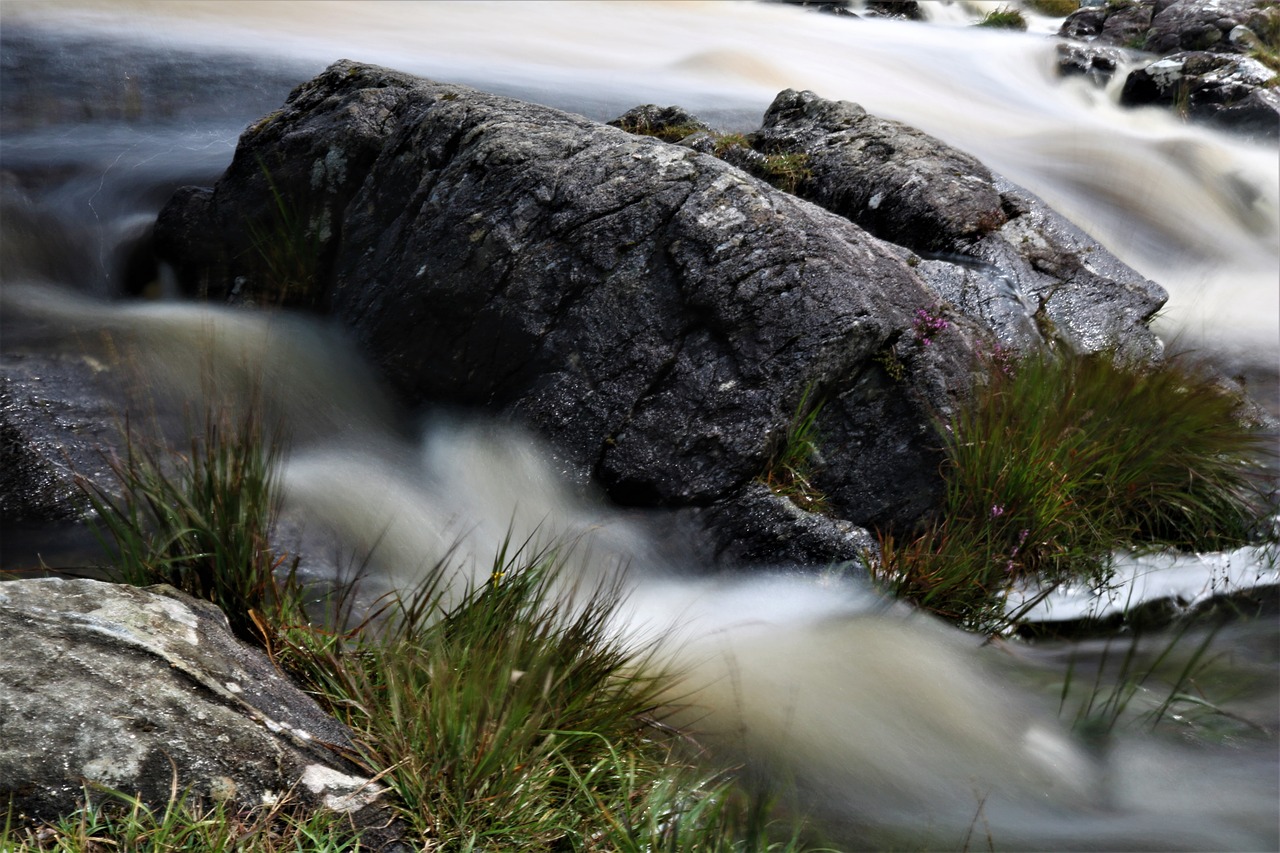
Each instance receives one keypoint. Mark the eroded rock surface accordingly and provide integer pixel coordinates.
(653, 311)
(140, 689)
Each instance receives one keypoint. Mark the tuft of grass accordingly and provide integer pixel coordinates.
(787, 171)
(124, 822)
(666, 132)
(515, 719)
(790, 469)
(1054, 8)
(1062, 460)
(1113, 697)
(288, 246)
(200, 520)
(1004, 18)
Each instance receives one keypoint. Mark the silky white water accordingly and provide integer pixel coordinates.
(888, 725)
(1195, 210)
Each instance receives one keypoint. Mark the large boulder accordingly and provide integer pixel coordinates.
(139, 690)
(656, 313)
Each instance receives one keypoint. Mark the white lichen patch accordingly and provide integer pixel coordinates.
(159, 620)
(113, 769)
(232, 687)
(222, 789)
(330, 171)
(722, 217)
(341, 791)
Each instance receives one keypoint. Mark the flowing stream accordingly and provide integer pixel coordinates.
(886, 723)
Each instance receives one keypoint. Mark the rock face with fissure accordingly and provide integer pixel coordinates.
(138, 690)
(656, 313)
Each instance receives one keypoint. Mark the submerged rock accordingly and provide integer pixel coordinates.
(140, 690)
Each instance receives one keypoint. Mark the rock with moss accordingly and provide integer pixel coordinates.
(992, 251)
(146, 692)
(654, 312)
(670, 124)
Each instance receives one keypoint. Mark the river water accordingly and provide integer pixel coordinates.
(885, 724)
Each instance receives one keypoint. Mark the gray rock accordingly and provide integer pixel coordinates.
(1256, 114)
(1206, 70)
(900, 184)
(1199, 25)
(1202, 84)
(993, 252)
(1097, 63)
(53, 425)
(140, 689)
(772, 529)
(654, 312)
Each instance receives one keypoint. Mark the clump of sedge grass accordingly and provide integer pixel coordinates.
(124, 822)
(1065, 459)
(287, 246)
(517, 720)
(1004, 18)
(512, 720)
(198, 521)
(790, 468)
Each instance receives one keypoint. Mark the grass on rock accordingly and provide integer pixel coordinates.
(1004, 18)
(515, 720)
(1064, 460)
(790, 468)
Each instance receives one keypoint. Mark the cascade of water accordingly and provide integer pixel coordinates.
(1193, 209)
(874, 715)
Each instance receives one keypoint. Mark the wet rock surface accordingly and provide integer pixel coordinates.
(653, 311)
(141, 689)
(1215, 60)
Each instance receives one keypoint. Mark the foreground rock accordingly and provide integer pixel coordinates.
(653, 311)
(139, 690)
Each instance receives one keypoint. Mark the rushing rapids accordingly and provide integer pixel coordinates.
(891, 727)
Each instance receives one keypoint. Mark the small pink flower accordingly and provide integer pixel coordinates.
(997, 510)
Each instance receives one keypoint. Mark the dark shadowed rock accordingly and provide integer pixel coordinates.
(900, 184)
(141, 689)
(653, 311)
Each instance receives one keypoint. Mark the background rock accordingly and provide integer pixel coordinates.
(1216, 60)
